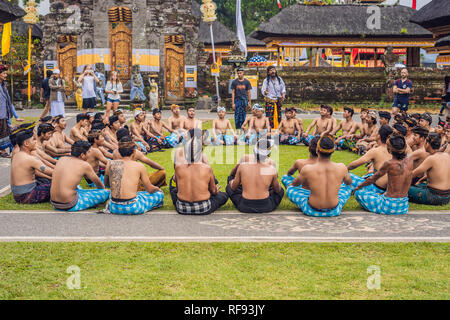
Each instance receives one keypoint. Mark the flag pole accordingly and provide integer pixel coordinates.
(29, 65)
(214, 60)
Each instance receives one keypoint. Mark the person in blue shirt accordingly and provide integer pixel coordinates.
(402, 90)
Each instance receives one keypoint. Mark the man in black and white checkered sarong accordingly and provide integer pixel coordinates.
(195, 191)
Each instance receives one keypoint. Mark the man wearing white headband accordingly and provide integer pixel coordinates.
(220, 127)
(259, 126)
(255, 187)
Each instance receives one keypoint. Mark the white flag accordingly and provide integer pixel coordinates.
(240, 28)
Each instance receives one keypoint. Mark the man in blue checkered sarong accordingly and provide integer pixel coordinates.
(298, 165)
(399, 171)
(67, 175)
(325, 184)
(124, 176)
(240, 97)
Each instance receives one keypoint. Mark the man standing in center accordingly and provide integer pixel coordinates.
(241, 97)
(274, 92)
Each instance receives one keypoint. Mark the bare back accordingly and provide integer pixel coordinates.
(124, 177)
(256, 179)
(399, 177)
(194, 181)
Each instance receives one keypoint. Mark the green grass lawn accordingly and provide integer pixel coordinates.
(223, 159)
(224, 270)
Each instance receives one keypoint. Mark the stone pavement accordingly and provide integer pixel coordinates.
(287, 226)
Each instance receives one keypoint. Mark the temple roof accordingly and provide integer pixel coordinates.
(251, 41)
(222, 35)
(434, 14)
(443, 42)
(10, 11)
(340, 21)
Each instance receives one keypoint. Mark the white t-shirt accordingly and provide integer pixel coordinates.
(88, 87)
(116, 87)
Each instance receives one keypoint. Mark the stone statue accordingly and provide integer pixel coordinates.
(153, 95)
(100, 87)
(389, 58)
(208, 9)
(137, 84)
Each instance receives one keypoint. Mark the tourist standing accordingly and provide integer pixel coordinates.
(5, 113)
(274, 92)
(56, 85)
(45, 94)
(113, 88)
(240, 97)
(402, 90)
(88, 80)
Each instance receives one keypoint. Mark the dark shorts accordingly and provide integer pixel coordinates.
(89, 103)
(40, 194)
(401, 104)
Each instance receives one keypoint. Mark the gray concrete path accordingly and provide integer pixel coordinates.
(287, 226)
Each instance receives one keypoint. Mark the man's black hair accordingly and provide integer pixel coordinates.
(113, 119)
(122, 132)
(44, 128)
(49, 73)
(80, 147)
(384, 132)
(384, 114)
(401, 129)
(126, 152)
(427, 117)
(398, 143)
(326, 143)
(435, 140)
(98, 116)
(313, 146)
(82, 116)
(268, 75)
(350, 110)
(45, 119)
(422, 132)
(97, 125)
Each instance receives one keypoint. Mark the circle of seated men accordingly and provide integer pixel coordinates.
(407, 161)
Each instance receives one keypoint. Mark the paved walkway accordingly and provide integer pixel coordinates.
(288, 226)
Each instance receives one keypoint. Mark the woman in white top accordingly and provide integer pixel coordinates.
(113, 89)
(88, 79)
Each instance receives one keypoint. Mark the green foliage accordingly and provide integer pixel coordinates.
(254, 12)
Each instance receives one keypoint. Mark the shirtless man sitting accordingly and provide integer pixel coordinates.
(410, 125)
(259, 125)
(323, 125)
(368, 133)
(77, 133)
(322, 192)
(333, 119)
(69, 171)
(425, 121)
(45, 132)
(196, 191)
(436, 167)
(420, 139)
(157, 178)
(349, 128)
(59, 139)
(190, 122)
(289, 129)
(121, 117)
(255, 187)
(246, 125)
(399, 171)
(30, 177)
(219, 130)
(377, 156)
(111, 130)
(176, 120)
(95, 156)
(139, 131)
(157, 126)
(124, 176)
(300, 163)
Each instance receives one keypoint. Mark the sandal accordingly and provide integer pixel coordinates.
(5, 155)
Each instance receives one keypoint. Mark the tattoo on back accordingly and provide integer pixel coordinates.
(116, 173)
(42, 168)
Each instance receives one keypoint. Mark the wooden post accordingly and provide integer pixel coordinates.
(311, 50)
(375, 57)
(343, 58)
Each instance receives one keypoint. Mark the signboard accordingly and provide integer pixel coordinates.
(50, 65)
(190, 76)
